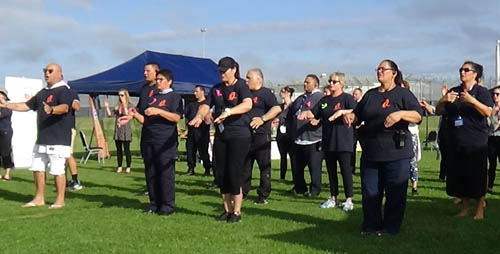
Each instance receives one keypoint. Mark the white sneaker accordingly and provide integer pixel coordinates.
(348, 206)
(330, 203)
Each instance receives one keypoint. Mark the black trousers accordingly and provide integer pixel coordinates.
(159, 161)
(260, 151)
(230, 154)
(285, 146)
(119, 152)
(493, 156)
(377, 178)
(312, 157)
(198, 140)
(344, 160)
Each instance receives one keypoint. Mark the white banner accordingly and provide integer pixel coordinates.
(23, 123)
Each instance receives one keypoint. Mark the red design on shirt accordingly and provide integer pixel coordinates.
(255, 100)
(308, 104)
(232, 96)
(386, 103)
(49, 99)
(218, 93)
(337, 106)
(162, 103)
(151, 93)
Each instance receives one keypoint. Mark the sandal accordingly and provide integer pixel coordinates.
(119, 170)
(56, 206)
(127, 171)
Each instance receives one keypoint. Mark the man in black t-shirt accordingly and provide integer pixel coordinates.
(53, 142)
(198, 138)
(265, 108)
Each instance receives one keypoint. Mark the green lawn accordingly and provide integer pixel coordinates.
(105, 217)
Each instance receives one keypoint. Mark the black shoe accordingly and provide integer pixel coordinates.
(311, 194)
(223, 217)
(294, 192)
(190, 172)
(213, 186)
(414, 191)
(234, 217)
(148, 211)
(164, 213)
(261, 201)
(384, 233)
(207, 173)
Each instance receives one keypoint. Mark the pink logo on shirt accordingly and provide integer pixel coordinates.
(218, 93)
(308, 104)
(153, 101)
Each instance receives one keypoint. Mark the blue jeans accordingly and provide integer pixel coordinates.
(377, 178)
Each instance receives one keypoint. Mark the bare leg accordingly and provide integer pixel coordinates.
(72, 165)
(39, 199)
(228, 207)
(60, 182)
(465, 208)
(480, 209)
(238, 200)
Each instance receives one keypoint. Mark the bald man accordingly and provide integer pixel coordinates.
(53, 144)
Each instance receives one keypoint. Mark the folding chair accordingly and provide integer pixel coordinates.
(431, 141)
(89, 150)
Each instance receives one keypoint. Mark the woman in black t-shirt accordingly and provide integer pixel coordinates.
(337, 138)
(231, 100)
(6, 139)
(387, 149)
(466, 108)
(284, 141)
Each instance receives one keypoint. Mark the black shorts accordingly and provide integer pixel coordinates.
(230, 155)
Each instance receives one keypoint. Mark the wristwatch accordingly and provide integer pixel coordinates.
(228, 111)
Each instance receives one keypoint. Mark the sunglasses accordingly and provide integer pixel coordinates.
(381, 69)
(45, 70)
(465, 70)
(333, 81)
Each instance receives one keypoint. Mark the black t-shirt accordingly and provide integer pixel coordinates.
(145, 95)
(71, 115)
(158, 130)
(190, 112)
(337, 137)
(52, 129)
(221, 97)
(474, 128)
(380, 143)
(263, 100)
(5, 120)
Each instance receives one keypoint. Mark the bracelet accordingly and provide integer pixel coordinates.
(262, 118)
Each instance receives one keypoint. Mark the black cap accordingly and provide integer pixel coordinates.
(4, 92)
(226, 63)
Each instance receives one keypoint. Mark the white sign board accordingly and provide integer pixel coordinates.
(23, 123)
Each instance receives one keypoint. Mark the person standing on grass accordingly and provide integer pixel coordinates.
(159, 143)
(494, 139)
(417, 151)
(264, 108)
(198, 138)
(387, 149)
(75, 183)
(357, 94)
(337, 138)
(231, 100)
(285, 143)
(307, 139)
(53, 144)
(123, 129)
(146, 93)
(467, 108)
(6, 138)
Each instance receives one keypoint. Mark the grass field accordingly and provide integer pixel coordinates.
(105, 217)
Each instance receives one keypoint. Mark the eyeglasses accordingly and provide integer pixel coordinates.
(45, 70)
(466, 70)
(159, 80)
(333, 81)
(381, 69)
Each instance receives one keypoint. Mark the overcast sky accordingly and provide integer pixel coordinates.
(287, 39)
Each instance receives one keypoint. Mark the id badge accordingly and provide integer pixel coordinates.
(282, 129)
(220, 127)
(459, 121)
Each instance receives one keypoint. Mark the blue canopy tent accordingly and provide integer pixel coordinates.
(188, 72)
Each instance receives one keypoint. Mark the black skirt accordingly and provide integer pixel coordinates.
(467, 171)
(5, 142)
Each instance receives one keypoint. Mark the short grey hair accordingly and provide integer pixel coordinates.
(259, 73)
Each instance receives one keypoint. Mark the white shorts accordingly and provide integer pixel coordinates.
(50, 156)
